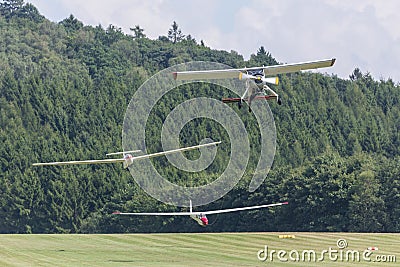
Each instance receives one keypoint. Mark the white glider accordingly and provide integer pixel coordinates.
(127, 159)
(198, 216)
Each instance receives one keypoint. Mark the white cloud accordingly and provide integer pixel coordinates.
(294, 31)
(386, 11)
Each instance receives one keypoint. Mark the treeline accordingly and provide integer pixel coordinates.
(64, 91)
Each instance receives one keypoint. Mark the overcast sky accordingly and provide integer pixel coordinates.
(359, 33)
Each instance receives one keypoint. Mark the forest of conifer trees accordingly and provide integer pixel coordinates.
(64, 89)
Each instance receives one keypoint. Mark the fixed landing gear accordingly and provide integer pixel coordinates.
(240, 104)
(279, 101)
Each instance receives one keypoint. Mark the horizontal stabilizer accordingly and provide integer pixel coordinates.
(237, 99)
(123, 152)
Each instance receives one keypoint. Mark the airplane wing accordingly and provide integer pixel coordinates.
(268, 70)
(198, 212)
(243, 208)
(99, 161)
(130, 159)
(288, 68)
(206, 74)
(156, 213)
(158, 154)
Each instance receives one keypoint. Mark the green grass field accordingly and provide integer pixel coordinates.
(213, 249)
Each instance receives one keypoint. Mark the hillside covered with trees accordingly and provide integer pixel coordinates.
(64, 89)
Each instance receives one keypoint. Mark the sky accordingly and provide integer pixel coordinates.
(360, 34)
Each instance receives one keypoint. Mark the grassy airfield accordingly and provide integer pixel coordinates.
(213, 249)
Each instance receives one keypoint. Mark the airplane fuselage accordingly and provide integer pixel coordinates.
(200, 219)
(256, 86)
(127, 160)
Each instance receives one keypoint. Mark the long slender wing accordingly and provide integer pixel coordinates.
(158, 154)
(268, 70)
(102, 161)
(156, 213)
(243, 208)
(99, 161)
(198, 212)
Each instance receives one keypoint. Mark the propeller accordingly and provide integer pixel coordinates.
(270, 80)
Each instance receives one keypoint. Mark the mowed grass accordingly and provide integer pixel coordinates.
(206, 249)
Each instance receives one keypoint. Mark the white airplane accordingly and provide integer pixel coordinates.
(127, 158)
(256, 80)
(199, 216)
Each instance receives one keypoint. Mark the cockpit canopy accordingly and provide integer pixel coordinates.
(256, 72)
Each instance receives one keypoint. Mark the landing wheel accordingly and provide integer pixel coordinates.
(240, 104)
(279, 101)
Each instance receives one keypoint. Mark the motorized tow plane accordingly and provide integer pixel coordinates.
(256, 78)
(127, 158)
(199, 216)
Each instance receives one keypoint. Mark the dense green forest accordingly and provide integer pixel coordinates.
(64, 89)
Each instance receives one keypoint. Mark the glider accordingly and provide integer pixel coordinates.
(199, 216)
(127, 158)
